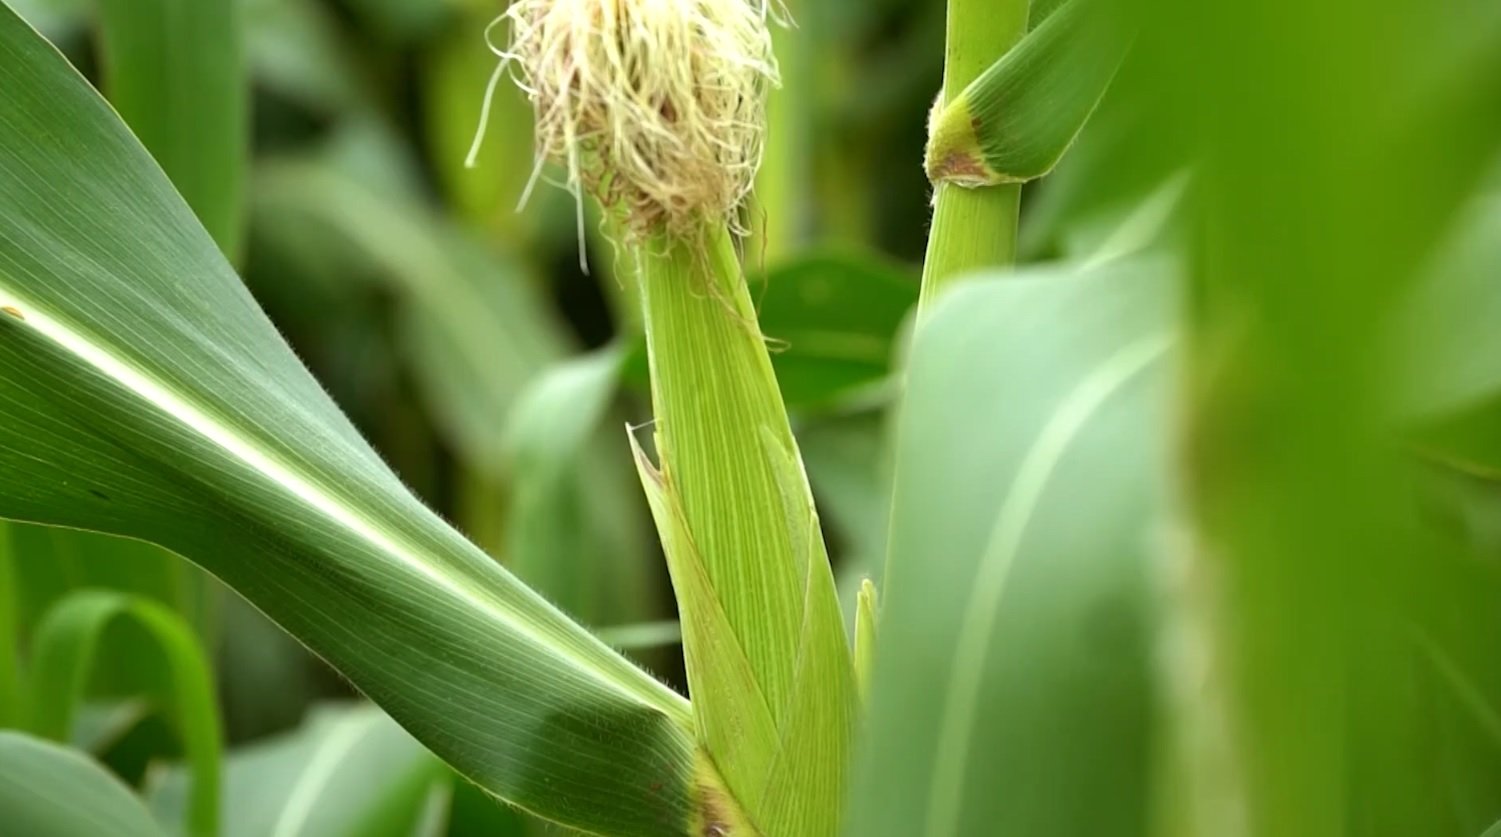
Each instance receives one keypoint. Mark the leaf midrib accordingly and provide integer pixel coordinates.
(1072, 414)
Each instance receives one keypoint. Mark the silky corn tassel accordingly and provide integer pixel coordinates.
(656, 107)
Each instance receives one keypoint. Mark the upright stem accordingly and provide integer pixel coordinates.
(973, 228)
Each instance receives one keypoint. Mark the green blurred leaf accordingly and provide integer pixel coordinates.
(1450, 344)
(176, 72)
(67, 644)
(1011, 690)
(456, 75)
(558, 413)
(10, 635)
(50, 791)
(643, 635)
(848, 459)
(401, 21)
(50, 563)
(51, 17)
(479, 336)
(143, 393)
(471, 322)
(294, 48)
(347, 771)
(566, 501)
(832, 320)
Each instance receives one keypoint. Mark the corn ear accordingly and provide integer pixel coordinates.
(1014, 123)
(769, 666)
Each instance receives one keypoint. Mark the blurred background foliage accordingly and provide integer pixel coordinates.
(323, 143)
(496, 375)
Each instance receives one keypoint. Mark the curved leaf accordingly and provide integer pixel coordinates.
(50, 791)
(51, 563)
(349, 770)
(66, 647)
(143, 393)
(1010, 688)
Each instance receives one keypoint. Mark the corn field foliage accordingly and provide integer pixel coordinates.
(1111, 446)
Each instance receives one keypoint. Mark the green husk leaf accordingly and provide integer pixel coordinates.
(736, 716)
(820, 718)
(729, 462)
(1016, 121)
(67, 645)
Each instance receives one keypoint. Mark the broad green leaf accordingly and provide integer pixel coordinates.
(348, 771)
(558, 413)
(50, 791)
(176, 72)
(1121, 156)
(66, 646)
(1015, 121)
(1011, 692)
(143, 393)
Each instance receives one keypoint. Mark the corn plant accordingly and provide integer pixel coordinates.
(1192, 466)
